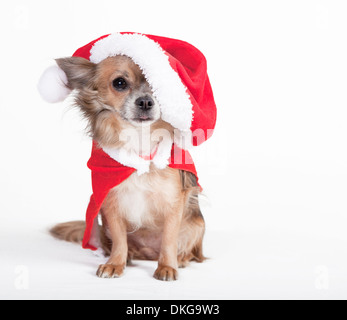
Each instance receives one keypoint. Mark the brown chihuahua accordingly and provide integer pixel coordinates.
(152, 216)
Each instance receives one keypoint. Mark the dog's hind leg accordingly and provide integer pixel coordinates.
(192, 231)
(190, 241)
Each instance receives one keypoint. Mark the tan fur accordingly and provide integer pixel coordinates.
(69, 231)
(155, 216)
(171, 230)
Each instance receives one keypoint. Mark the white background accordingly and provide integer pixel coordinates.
(275, 172)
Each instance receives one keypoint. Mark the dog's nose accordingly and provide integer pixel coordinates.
(145, 103)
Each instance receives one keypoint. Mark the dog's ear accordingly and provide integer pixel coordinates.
(79, 72)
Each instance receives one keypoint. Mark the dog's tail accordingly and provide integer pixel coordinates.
(69, 231)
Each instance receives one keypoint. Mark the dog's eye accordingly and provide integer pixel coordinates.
(120, 84)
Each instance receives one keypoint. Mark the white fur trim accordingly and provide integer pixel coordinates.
(161, 159)
(130, 158)
(168, 89)
(52, 85)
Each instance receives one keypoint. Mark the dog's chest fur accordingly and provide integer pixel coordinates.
(143, 200)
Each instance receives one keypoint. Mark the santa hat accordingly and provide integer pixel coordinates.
(175, 70)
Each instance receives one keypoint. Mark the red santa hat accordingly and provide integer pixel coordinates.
(175, 70)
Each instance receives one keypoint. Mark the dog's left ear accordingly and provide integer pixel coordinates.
(57, 82)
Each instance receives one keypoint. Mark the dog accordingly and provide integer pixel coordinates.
(153, 216)
(146, 100)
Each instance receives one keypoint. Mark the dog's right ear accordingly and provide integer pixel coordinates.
(79, 72)
(57, 82)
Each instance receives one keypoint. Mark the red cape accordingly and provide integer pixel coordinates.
(107, 173)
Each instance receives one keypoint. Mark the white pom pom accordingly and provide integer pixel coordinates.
(52, 85)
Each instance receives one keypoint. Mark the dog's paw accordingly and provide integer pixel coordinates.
(165, 273)
(184, 260)
(183, 264)
(110, 271)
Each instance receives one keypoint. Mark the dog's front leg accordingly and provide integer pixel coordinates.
(168, 264)
(117, 229)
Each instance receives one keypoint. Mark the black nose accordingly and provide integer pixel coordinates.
(145, 103)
